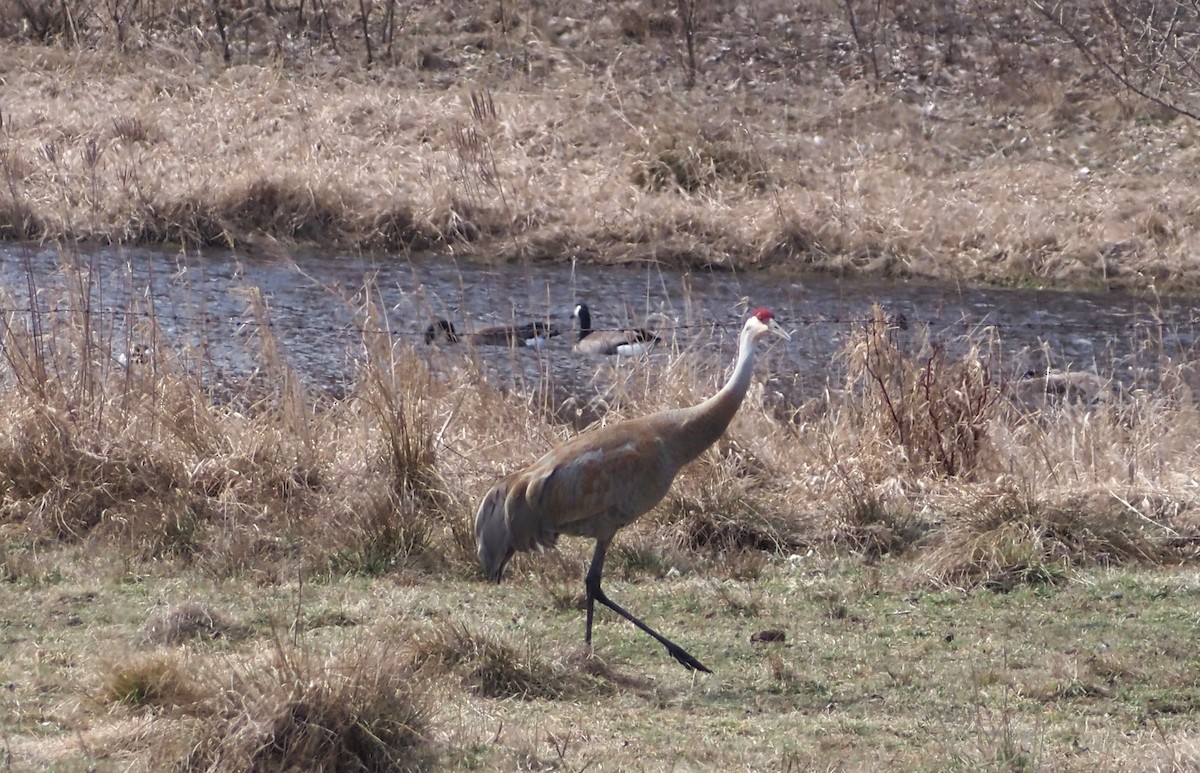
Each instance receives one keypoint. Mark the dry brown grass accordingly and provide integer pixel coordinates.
(1008, 539)
(492, 668)
(354, 710)
(140, 456)
(188, 622)
(959, 148)
(171, 535)
(151, 680)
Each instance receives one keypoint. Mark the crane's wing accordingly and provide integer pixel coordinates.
(589, 486)
(593, 486)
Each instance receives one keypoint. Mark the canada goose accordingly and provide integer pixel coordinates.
(633, 341)
(600, 481)
(1060, 387)
(531, 334)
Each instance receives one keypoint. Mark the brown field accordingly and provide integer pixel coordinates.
(925, 141)
(965, 576)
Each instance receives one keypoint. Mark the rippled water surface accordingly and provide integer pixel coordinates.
(201, 303)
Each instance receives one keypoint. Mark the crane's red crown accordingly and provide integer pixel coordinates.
(764, 315)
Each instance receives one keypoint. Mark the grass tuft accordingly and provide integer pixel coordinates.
(357, 709)
(874, 528)
(188, 622)
(694, 162)
(1011, 539)
(489, 667)
(150, 680)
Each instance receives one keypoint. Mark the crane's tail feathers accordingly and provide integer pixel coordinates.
(491, 533)
(507, 522)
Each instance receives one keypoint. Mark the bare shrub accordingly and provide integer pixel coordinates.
(934, 407)
(641, 22)
(898, 36)
(237, 30)
(53, 22)
(1147, 48)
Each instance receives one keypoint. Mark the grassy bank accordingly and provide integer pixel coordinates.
(962, 575)
(916, 141)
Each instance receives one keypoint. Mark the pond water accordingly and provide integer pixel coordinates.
(200, 303)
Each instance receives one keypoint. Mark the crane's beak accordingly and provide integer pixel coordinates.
(777, 329)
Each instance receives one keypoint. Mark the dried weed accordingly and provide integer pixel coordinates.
(358, 709)
(492, 668)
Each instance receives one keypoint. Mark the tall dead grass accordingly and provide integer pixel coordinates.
(901, 457)
(140, 454)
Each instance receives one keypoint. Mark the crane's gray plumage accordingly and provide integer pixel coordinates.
(600, 481)
(632, 341)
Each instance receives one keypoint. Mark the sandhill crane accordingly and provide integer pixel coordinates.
(633, 341)
(600, 481)
(532, 334)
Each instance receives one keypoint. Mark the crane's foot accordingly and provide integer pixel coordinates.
(689, 662)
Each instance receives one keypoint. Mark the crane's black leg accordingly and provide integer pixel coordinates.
(596, 593)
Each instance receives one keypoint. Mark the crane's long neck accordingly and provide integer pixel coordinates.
(702, 424)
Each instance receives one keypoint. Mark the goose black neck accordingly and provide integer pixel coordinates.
(446, 326)
(585, 320)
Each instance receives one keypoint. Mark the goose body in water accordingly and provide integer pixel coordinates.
(531, 334)
(632, 341)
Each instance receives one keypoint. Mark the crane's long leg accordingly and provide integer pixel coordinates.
(596, 593)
